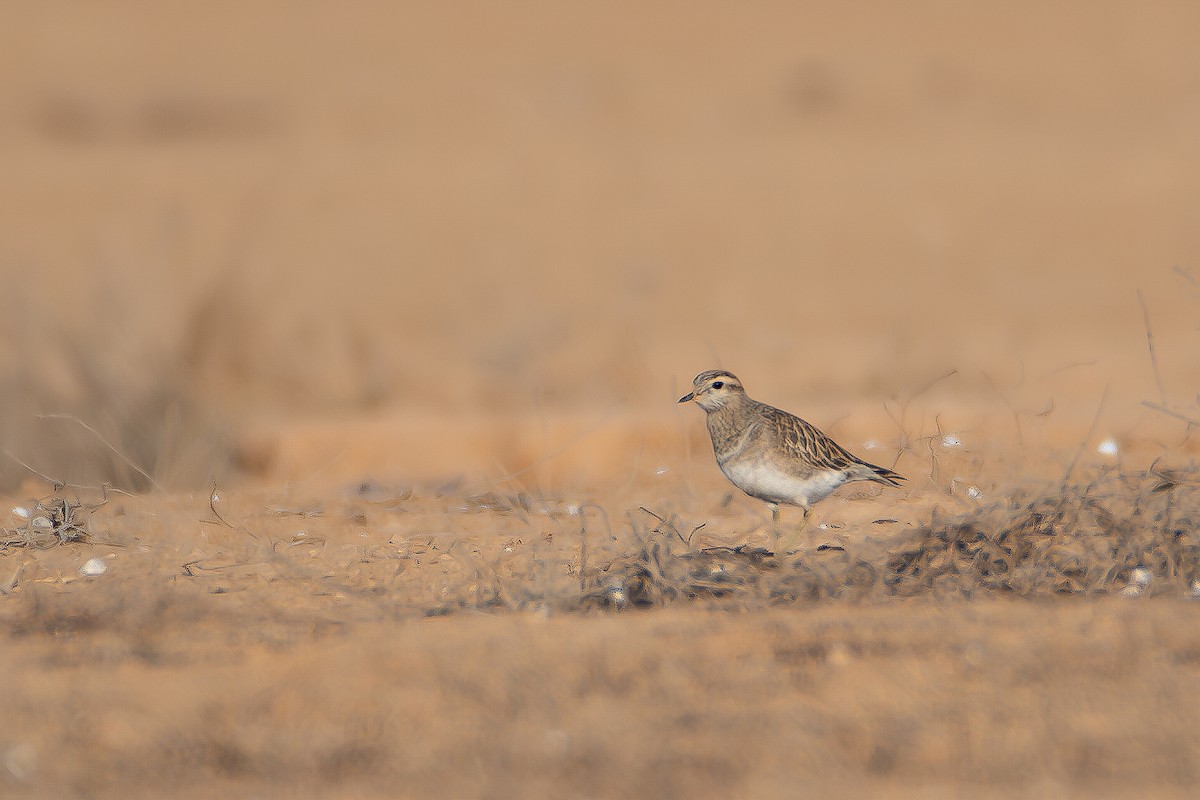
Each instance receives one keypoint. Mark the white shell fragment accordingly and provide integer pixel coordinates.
(950, 440)
(1108, 447)
(93, 567)
(974, 493)
(19, 511)
(1141, 577)
(870, 444)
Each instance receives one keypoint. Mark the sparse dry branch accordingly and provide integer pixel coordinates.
(1162, 409)
(129, 462)
(673, 528)
(103, 488)
(1058, 370)
(213, 497)
(1162, 392)
(1008, 404)
(1187, 275)
(900, 417)
(1086, 439)
(7, 587)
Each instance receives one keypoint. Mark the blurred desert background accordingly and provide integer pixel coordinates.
(347, 338)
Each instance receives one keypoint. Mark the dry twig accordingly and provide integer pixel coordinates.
(1162, 393)
(129, 462)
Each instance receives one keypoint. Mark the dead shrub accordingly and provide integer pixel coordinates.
(1078, 539)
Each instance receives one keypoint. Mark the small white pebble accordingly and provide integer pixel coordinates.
(870, 444)
(93, 567)
(950, 440)
(41, 522)
(974, 493)
(616, 594)
(1131, 591)
(507, 549)
(1141, 577)
(1108, 447)
(660, 471)
(573, 510)
(18, 511)
(21, 761)
(214, 497)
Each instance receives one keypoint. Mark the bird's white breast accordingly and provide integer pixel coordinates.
(767, 482)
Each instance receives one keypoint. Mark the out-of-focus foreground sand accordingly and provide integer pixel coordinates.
(429, 251)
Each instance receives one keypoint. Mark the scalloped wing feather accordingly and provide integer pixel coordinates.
(804, 442)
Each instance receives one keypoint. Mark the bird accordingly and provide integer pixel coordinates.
(772, 455)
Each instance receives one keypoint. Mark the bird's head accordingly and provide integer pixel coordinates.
(713, 389)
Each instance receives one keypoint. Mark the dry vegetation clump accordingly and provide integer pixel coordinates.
(1084, 538)
(53, 520)
(1115, 533)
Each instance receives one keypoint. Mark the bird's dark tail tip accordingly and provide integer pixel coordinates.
(886, 476)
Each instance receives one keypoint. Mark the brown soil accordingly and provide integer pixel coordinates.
(415, 287)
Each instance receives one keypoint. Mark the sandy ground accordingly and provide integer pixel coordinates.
(416, 286)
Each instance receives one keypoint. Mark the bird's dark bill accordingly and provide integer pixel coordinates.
(687, 397)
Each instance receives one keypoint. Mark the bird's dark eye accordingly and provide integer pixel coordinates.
(719, 385)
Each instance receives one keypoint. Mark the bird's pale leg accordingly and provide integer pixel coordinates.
(788, 543)
(774, 520)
